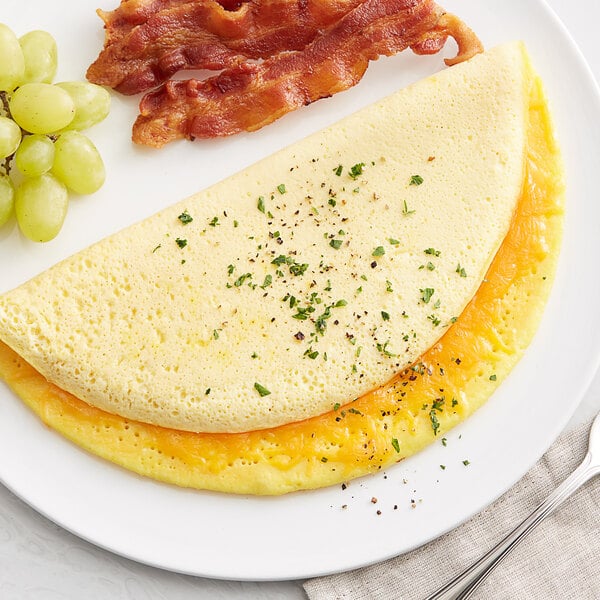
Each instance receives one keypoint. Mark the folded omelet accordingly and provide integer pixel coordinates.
(319, 315)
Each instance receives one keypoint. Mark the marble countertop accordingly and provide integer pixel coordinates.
(41, 561)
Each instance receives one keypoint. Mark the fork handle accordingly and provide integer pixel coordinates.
(462, 586)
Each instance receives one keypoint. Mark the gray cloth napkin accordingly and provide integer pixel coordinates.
(559, 560)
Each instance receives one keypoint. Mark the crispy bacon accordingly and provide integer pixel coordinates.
(147, 41)
(249, 96)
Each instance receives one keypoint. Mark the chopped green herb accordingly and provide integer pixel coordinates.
(336, 406)
(261, 204)
(460, 270)
(155, 249)
(356, 170)
(185, 217)
(388, 286)
(435, 424)
(443, 467)
(332, 202)
(430, 266)
(254, 355)
(444, 442)
(454, 401)
(240, 280)
(432, 252)
(383, 349)
(214, 222)
(340, 303)
(261, 389)
(379, 251)
(337, 244)
(324, 459)
(405, 210)
(396, 445)
(181, 243)
(298, 269)
(393, 242)
(207, 392)
(434, 320)
(338, 170)
(466, 463)
(230, 269)
(267, 282)
(235, 223)
(385, 316)
(281, 188)
(216, 334)
(416, 180)
(426, 294)
(493, 377)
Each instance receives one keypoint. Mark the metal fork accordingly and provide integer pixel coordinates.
(463, 586)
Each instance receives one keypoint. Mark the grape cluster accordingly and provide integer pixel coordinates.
(40, 126)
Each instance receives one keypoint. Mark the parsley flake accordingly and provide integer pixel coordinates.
(185, 217)
(416, 180)
(396, 445)
(460, 270)
(385, 316)
(267, 282)
(337, 244)
(379, 251)
(181, 243)
(426, 294)
(281, 188)
(261, 204)
(356, 170)
(261, 389)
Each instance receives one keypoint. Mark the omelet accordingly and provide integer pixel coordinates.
(489, 305)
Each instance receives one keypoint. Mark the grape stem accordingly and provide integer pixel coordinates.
(5, 105)
(7, 164)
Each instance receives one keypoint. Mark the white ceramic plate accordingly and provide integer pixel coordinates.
(306, 534)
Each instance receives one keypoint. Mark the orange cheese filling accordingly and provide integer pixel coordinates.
(449, 383)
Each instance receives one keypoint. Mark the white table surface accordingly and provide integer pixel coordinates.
(41, 561)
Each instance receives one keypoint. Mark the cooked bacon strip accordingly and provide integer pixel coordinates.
(132, 13)
(203, 35)
(250, 96)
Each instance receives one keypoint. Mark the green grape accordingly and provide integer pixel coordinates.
(41, 107)
(7, 198)
(41, 206)
(77, 163)
(92, 103)
(35, 155)
(41, 57)
(12, 62)
(10, 136)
